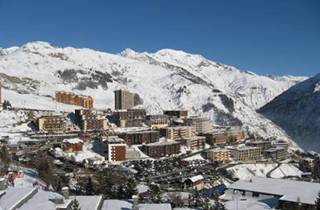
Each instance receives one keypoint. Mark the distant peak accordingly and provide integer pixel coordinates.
(37, 44)
(128, 52)
(173, 52)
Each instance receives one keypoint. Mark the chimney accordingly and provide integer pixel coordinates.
(135, 200)
(65, 192)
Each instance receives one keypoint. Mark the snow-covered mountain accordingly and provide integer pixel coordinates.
(167, 79)
(297, 111)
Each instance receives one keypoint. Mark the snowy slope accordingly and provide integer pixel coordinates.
(297, 111)
(167, 79)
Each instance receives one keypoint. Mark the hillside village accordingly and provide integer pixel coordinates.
(126, 158)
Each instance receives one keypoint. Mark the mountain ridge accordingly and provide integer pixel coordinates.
(166, 79)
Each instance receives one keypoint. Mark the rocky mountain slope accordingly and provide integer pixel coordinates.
(167, 79)
(297, 111)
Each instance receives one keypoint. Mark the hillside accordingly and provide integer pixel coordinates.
(297, 111)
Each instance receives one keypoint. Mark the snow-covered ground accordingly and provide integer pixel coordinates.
(194, 157)
(247, 171)
(85, 155)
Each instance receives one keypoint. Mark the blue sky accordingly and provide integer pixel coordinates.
(264, 36)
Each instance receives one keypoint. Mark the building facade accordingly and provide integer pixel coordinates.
(140, 137)
(51, 123)
(246, 153)
(123, 99)
(224, 137)
(129, 117)
(278, 153)
(219, 154)
(116, 152)
(72, 145)
(195, 183)
(90, 120)
(180, 132)
(202, 125)
(264, 145)
(161, 149)
(195, 142)
(71, 98)
(157, 121)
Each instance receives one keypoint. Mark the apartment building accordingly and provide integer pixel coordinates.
(140, 137)
(180, 132)
(72, 145)
(90, 120)
(176, 113)
(51, 123)
(129, 117)
(224, 137)
(219, 154)
(246, 153)
(123, 99)
(162, 148)
(195, 142)
(278, 153)
(264, 145)
(71, 98)
(116, 152)
(157, 121)
(202, 125)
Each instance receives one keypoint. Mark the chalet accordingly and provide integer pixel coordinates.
(195, 182)
(72, 145)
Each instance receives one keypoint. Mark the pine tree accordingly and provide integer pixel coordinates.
(6, 104)
(318, 202)
(89, 187)
(316, 168)
(75, 205)
(4, 155)
(45, 170)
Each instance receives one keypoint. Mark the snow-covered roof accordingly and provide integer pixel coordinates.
(14, 195)
(114, 204)
(130, 129)
(153, 206)
(243, 148)
(289, 190)
(163, 142)
(196, 178)
(39, 199)
(114, 139)
(89, 202)
(73, 141)
(219, 150)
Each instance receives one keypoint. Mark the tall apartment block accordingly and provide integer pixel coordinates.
(123, 99)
